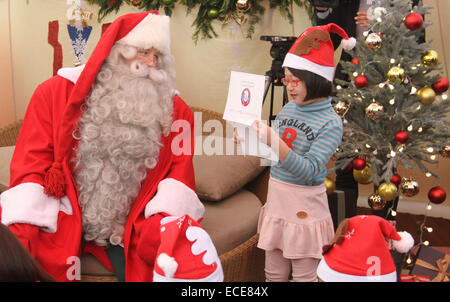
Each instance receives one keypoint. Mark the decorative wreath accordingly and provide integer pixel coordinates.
(240, 11)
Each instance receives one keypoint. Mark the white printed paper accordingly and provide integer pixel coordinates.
(243, 107)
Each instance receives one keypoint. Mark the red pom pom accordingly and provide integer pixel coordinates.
(361, 81)
(401, 137)
(441, 85)
(414, 21)
(396, 179)
(54, 181)
(359, 163)
(437, 195)
(355, 61)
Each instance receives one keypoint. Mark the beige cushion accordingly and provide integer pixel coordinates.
(219, 176)
(232, 221)
(6, 154)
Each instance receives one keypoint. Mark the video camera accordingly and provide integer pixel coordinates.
(324, 3)
(279, 49)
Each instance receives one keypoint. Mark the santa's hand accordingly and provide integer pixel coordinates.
(202, 243)
(25, 233)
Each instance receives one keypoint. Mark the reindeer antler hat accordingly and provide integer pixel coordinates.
(313, 51)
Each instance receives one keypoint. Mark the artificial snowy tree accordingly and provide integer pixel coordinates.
(394, 104)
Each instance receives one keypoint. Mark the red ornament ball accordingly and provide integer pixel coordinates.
(401, 137)
(359, 163)
(441, 85)
(396, 179)
(361, 81)
(355, 61)
(437, 195)
(414, 21)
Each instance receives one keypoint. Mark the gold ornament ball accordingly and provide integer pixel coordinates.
(376, 202)
(373, 41)
(341, 108)
(387, 191)
(330, 185)
(409, 187)
(213, 13)
(136, 2)
(363, 176)
(445, 151)
(430, 58)
(396, 73)
(426, 95)
(374, 110)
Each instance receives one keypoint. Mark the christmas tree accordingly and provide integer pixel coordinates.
(393, 105)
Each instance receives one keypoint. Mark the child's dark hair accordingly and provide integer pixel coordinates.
(316, 85)
(16, 264)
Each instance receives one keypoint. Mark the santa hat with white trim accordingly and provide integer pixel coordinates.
(313, 50)
(359, 251)
(186, 253)
(141, 30)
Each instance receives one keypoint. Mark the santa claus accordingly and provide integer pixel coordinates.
(95, 164)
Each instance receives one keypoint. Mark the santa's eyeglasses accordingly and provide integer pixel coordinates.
(294, 83)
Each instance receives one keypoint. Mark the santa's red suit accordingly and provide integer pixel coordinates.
(48, 220)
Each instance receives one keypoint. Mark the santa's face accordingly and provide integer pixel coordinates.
(148, 57)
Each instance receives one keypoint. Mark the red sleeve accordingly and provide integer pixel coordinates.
(34, 151)
(183, 144)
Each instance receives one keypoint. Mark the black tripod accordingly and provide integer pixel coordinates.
(274, 79)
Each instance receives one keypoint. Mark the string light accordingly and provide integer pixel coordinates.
(413, 90)
(391, 87)
(420, 130)
(444, 96)
(355, 74)
(426, 242)
(428, 174)
(430, 149)
(433, 157)
(429, 207)
(393, 213)
(392, 61)
(381, 85)
(408, 261)
(418, 108)
(410, 128)
(338, 87)
(429, 229)
(392, 101)
(393, 153)
(367, 146)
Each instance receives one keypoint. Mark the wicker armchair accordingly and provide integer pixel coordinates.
(243, 263)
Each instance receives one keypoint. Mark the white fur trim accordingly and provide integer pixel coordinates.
(348, 44)
(298, 62)
(217, 276)
(202, 242)
(328, 274)
(152, 31)
(405, 243)
(27, 203)
(167, 264)
(71, 73)
(175, 198)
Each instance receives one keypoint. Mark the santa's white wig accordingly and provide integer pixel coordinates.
(126, 112)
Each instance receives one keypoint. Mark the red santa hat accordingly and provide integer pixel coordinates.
(186, 253)
(360, 253)
(142, 30)
(313, 50)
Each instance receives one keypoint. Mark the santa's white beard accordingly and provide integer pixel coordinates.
(119, 140)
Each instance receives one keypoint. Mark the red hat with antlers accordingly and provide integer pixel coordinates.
(313, 51)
